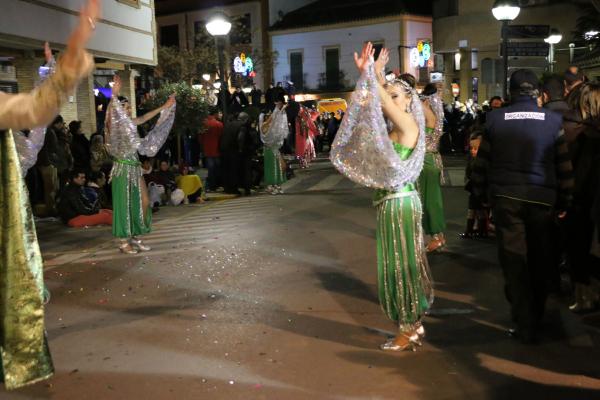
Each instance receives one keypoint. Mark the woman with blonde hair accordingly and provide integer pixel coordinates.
(390, 160)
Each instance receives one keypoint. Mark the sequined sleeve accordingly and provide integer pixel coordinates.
(362, 150)
(39, 107)
(278, 130)
(150, 145)
(437, 106)
(28, 146)
(433, 141)
(122, 139)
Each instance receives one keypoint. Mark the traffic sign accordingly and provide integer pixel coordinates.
(526, 49)
(527, 31)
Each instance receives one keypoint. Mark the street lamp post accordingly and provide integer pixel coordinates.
(219, 26)
(554, 38)
(505, 11)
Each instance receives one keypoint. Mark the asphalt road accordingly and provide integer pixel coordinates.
(274, 297)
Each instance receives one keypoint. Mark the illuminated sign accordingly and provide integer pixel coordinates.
(455, 89)
(244, 65)
(420, 56)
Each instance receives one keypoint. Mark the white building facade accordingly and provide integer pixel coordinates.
(125, 36)
(309, 57)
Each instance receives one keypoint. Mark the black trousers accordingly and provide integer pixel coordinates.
(231, 162)
(524, 232)
(579, 236)
(245, 173)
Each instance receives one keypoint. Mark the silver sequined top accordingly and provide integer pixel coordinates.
(29, 146)
(362, 150)
(124, 143)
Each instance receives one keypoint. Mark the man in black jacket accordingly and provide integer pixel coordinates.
(553, 96)
(523, 169)
(256, 96)
(74, 207)
(248, 141)
(230, 148)
(80, 147)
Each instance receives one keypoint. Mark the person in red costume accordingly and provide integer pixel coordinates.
(306, 131)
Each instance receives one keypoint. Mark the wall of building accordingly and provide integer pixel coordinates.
(186, 22)
(397, 33)
(414, 29)
(125, 33)
(314, 42)
(476, 24)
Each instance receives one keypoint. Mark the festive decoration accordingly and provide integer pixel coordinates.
(243, 65)
(420, 56)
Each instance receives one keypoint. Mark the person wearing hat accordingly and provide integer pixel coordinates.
(523, 170)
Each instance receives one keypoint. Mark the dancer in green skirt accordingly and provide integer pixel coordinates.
(24, 354)
(272, 132)
(390, 161)
(432, 176)
(132, 215)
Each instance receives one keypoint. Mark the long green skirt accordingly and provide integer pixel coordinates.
(128, 217)
(431, 193)
(23, 346)
(404, 279)
(273, 173)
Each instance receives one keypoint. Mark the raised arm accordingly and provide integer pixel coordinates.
(38, 108)
(399, 116)
(151, 114)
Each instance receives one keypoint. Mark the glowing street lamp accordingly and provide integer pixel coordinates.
(505, 11)
(554, 38)
(218, 25)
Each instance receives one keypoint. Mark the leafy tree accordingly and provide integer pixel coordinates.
(184, 65)
(189, 64)
(192, 109)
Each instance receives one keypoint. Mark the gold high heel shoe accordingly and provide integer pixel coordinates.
(126, 248)
(412, 344)
(437, 243)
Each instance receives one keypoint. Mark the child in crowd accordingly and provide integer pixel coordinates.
(477, 215)
(191, 185)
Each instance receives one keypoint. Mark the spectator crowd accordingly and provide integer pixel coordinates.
(533, 178)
